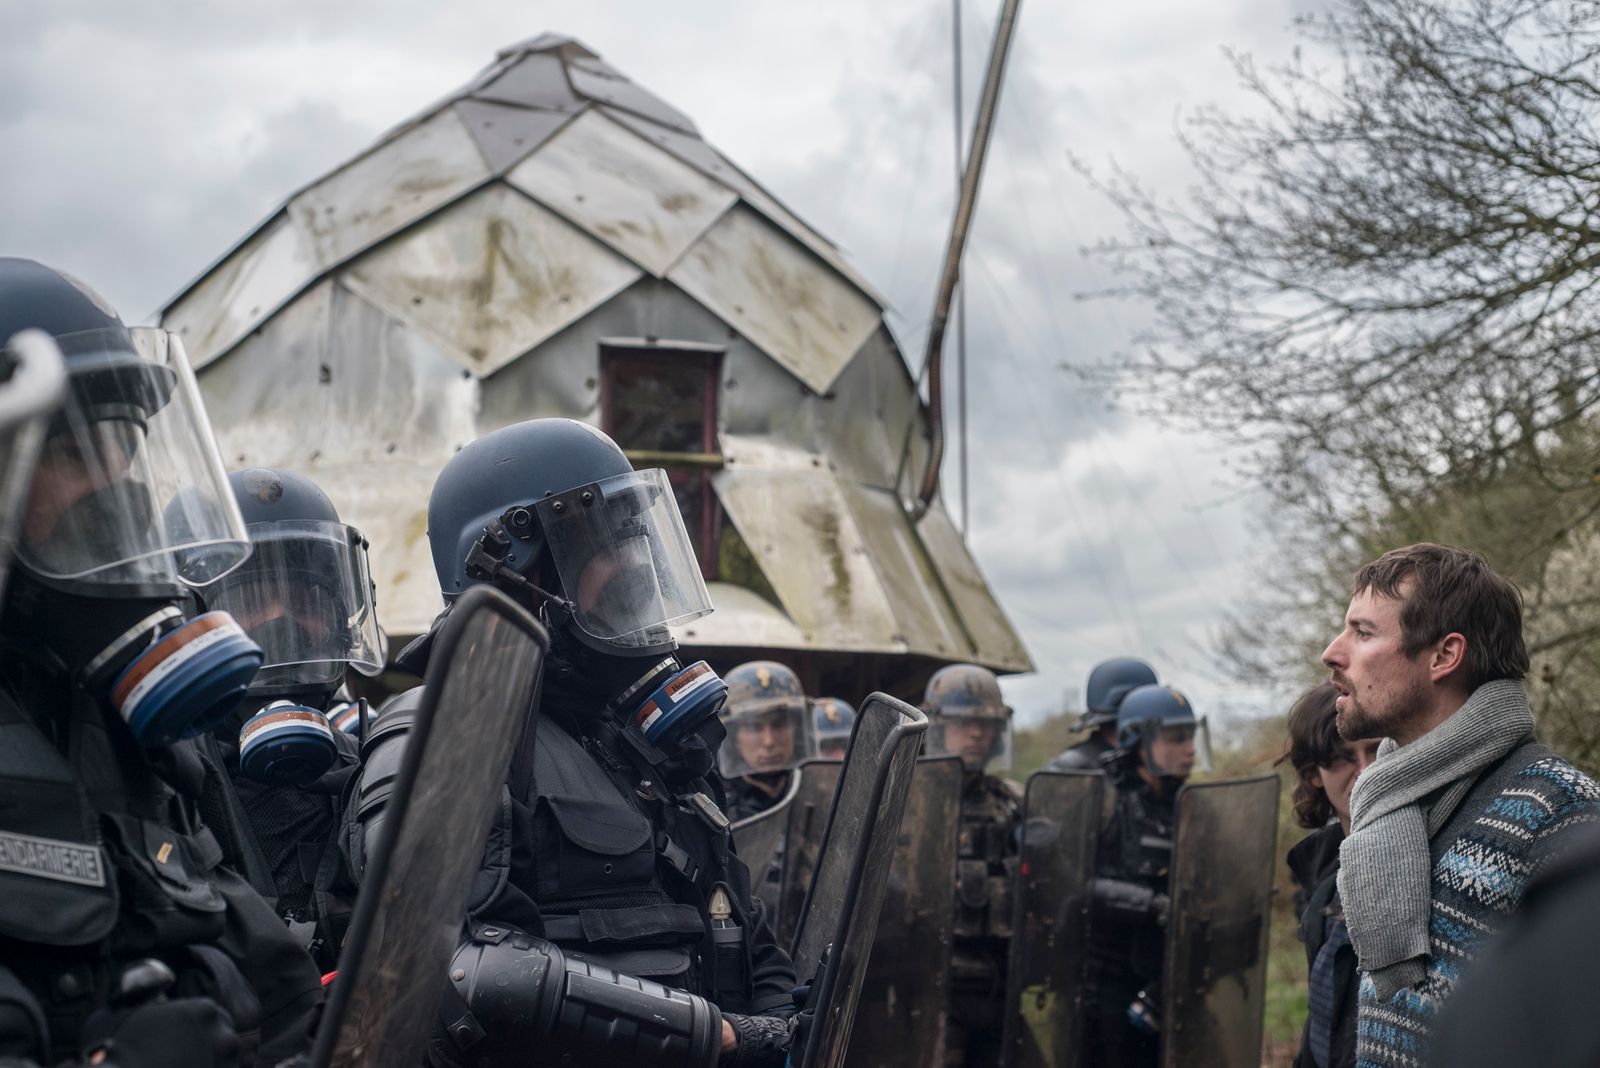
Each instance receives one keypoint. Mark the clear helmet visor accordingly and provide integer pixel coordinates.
(767, 737)
(305, 596)
(982, 742)
(624, 559)
(1176, 750)
(32, 380)
(129, 487)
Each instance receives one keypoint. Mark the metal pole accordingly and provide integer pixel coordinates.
(961, 292)
(965, 205)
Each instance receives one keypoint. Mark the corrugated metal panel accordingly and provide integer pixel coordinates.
(390, 188)
(537, 80)
(388, 503)
(742, 618)
(490, 277)
(505, 134)
(806, 540)
(332, 376)
(874, 405)
(628, 193)
(233, 297)
(604, 84)
(998, 643)
(703, 157)
(778, 295)
(924, 615)
(334, 388)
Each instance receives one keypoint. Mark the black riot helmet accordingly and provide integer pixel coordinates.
(127, 497)
(968, 717)
(1152, 715)
(552, 509)
(306, 593)
(130, 445)
(1109, 682)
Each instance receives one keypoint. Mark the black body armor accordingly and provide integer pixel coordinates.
(985, 870)
(106, 864)
(616, 856)
(1127, 938)
(291, 836)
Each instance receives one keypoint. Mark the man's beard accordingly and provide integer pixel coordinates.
(1356, 722)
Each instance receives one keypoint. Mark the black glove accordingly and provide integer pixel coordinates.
(762, 1042)
(182, 1033)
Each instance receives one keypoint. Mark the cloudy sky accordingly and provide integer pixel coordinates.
(142, 139)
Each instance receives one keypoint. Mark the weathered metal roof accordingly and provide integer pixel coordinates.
(464, 273)
(575, 135)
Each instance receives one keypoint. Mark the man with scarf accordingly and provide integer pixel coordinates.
(1463, 807)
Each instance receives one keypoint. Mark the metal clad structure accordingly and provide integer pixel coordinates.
(485, 261)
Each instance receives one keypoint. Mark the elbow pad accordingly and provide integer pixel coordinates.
(381, 756)
(520, 1001)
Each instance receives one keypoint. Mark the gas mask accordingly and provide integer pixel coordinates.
(170, 678)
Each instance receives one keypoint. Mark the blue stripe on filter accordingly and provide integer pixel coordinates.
(199, 693)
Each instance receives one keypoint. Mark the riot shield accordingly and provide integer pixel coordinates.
(802, 843)
(480, 691)
(1216, 953)
(841, 912)
(905, 998)
(760, 842)
(1050, 942)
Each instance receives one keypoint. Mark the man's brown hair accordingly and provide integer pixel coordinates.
(1442, 589)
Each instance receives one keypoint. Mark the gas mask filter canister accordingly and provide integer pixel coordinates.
(679, 705)
(286, 744)
(187, 680)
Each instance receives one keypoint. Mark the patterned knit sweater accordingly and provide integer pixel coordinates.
(1510, 826)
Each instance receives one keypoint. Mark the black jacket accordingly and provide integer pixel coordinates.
(132, 872)
(1314, 863)
(603, 846)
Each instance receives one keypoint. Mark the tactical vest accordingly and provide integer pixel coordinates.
(986, 866)
(1136, 848)
(103, 863)
(622, 869)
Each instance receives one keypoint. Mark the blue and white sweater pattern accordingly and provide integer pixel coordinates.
(1478, 880)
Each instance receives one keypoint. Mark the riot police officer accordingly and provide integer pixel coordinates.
(969, 718)
(306, 597)
(833, 720)
(1109, 682)
(612, 854)
(768, 720)
(126, 942)
(1156, 750)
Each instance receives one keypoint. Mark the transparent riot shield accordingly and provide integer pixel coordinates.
(841, 913)
(1050, 939)
(480, 691)
(1216, 955)
(802, 844)
(905, 999)
(760, 841)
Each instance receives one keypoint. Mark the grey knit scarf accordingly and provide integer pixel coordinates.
(1385, 871)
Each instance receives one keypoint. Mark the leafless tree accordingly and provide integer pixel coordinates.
(1383, 283)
